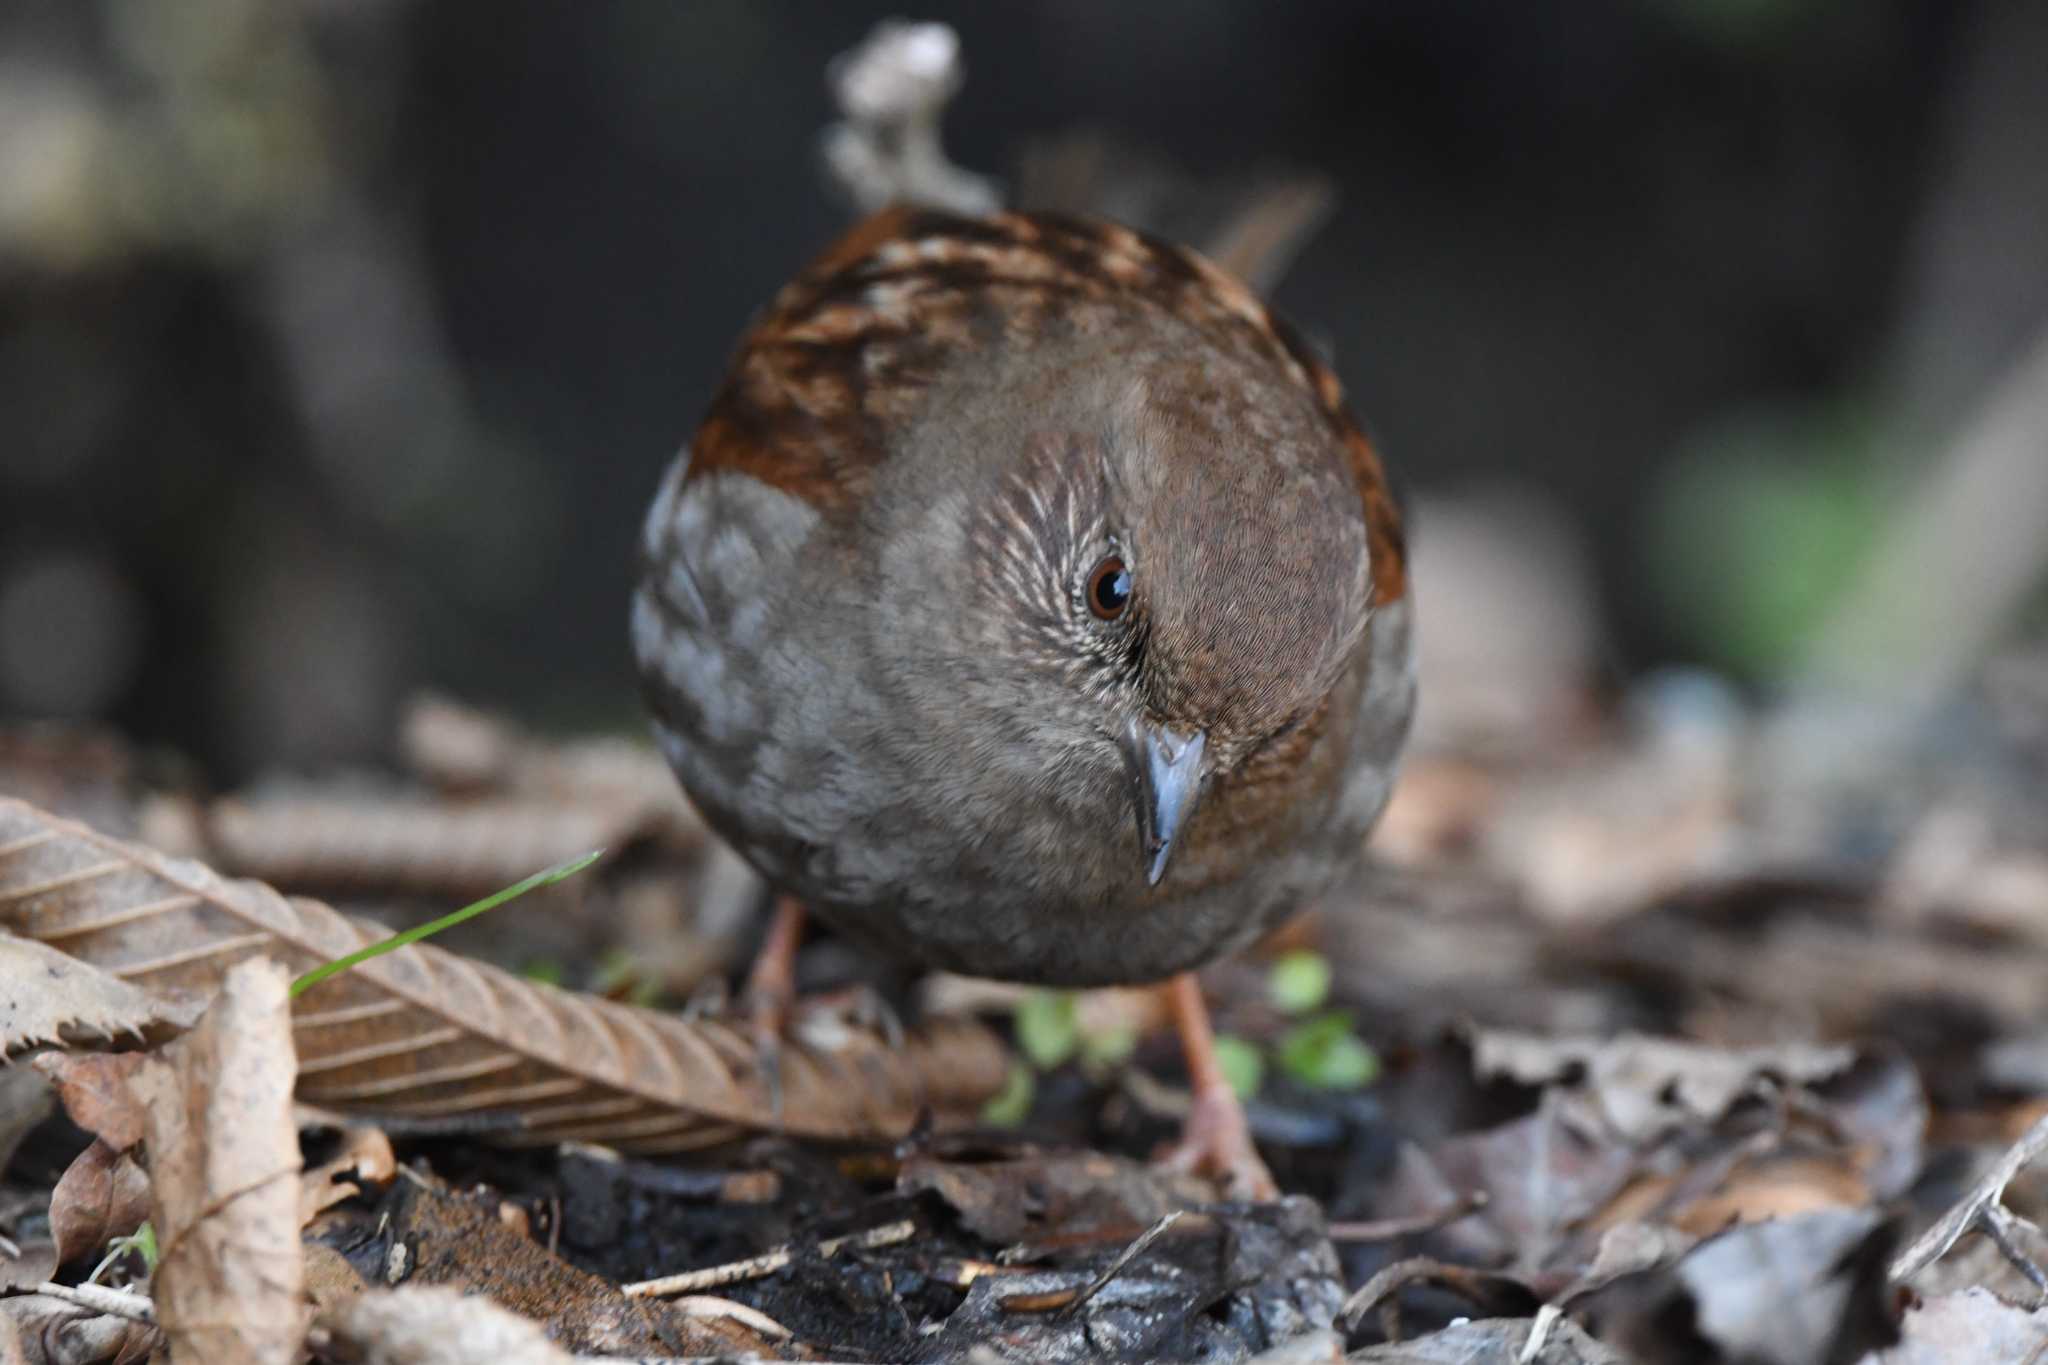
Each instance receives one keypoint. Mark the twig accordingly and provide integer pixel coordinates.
(1468, 1282)
(1968, 1211)
(1998, 1223)
(1130, 1253)
(767, 1263)
(891, 91)
(1387, 1229)
(709, 1306)
(1070, 1300)
(119, 1303)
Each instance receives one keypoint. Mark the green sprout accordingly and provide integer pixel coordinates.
(1299, 981)
(621, 976)
(549, 877)
(1325, 1053)
(1107, 1049)
(1012, 1104)
(1244, 1066)
(1048, 1028)
(142, 1242)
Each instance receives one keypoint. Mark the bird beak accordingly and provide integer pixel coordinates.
(1166, 778)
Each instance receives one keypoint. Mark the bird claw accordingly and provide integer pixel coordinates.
(1216, 1142)
(776, 1018)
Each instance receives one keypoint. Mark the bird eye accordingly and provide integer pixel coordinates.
(1109, 588)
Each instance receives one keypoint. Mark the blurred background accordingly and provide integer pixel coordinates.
(342, 341)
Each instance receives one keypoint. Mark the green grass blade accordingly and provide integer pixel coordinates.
(413, 935)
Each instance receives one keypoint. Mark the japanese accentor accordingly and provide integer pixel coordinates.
(1029, 605)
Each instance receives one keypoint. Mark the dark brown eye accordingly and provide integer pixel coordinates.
(1109, 588)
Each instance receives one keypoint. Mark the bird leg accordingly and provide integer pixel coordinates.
(1215, 1140)
(770, 993)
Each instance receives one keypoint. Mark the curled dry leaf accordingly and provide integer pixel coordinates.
(421, 1326)
(47, 997)
(102, 1195)
(1007, 1202)
(1492, 1341)
(224, 1166)
(365, 1156)
(459, 748)
(26, 1265)
(1646, 1087)
(1542, 1178)
(405, 843)
(434, 1039)
(461, 1243)
(93, 1088)
(1792, 1290)
(25, 1101)
(1974, 1324)
(52, 1330)
(509, 803)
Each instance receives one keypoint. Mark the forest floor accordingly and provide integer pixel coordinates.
(1686, 1033)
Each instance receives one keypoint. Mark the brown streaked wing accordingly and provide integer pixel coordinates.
(849, 345)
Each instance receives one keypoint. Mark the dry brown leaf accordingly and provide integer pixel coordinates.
(1974, 1325)
(26, 1099)
(1492, 1341)
(436, 1327)
(102, 1195)
(425, 1036)
(224, 1167)
(511, 803)
(1646, 1087)
(1066, 1193)
(1542, 1179)
(396, 842)
(28, 1266)
(54, 1332)
(454, 746)
(1790, 1291)
(93, 1088)
(365, 1156)
(330, 1278)
(461, 1243)
(47, 997)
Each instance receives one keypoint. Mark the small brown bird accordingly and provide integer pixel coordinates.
(1030, 606)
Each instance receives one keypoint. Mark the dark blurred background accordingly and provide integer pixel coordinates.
(343, 341)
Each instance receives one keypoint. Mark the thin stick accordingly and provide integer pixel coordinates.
(767, 1263)
(117, 1303)
(1126, 1256)
(1387, 1229)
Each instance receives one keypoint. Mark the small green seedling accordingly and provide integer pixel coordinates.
(142, 1242)
(1325, 1053)
(620, 976)
(1299, 981)
(1244, 1066)
(1048, 1028)
(1107, 1049)
(1012, 1104)
(544, 970)
(549, 877)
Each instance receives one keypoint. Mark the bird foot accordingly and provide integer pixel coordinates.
(769, 997)
(1216, 1142)
(857, 1005)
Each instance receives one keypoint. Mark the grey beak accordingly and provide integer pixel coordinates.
(1166, 778)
